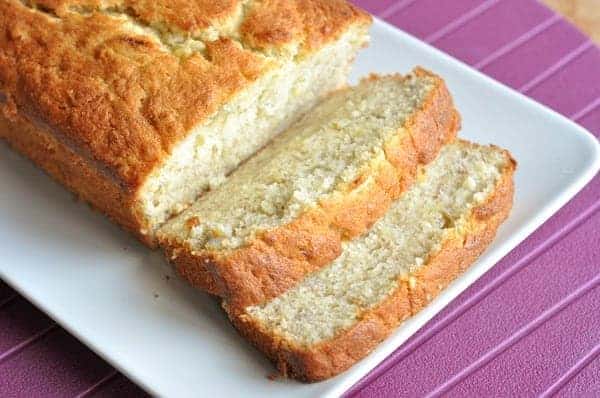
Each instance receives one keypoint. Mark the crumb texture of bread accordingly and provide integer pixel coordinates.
(327, 149)
(327, 178)
(244, 125)
(154, 91)
(423, 242)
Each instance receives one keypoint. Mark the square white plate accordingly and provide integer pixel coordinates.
(114, 295)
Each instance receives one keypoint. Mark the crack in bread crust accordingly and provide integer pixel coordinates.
(331, 357)
(277, 259)
(181, 38)
(269, 28)
(90, 76)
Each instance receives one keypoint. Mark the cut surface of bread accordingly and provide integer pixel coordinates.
(286, 211)
(338, 314)
(159, 105)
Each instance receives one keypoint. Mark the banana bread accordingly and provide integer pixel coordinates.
(286, 211)
(337, 315)
(140, 106)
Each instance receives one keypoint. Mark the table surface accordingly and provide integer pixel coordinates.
(585, 14)
(530, 326)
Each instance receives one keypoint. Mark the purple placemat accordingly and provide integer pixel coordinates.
(530, 326)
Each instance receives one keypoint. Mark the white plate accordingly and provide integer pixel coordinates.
(113, 294)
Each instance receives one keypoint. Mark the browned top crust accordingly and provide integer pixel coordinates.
(181, 15)
(123, 81)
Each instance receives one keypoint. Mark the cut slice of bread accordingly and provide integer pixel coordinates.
(286, 212)
(337, 315)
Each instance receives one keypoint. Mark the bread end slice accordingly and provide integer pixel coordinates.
(331, 357)
(311, 359)
(460, 251)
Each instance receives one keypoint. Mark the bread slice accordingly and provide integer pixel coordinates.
(286, 212)
(337, 315)
(140, 106)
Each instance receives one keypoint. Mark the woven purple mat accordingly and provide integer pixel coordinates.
(529, 327)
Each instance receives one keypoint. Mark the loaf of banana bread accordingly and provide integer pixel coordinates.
(141, 106)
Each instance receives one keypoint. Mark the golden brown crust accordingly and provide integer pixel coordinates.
(188, 265)
(187, 16)
(73, 172)
(273, 24)
(279, 258)
(458, 253)
(262, 25)
(104, 79)
(330, 357)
